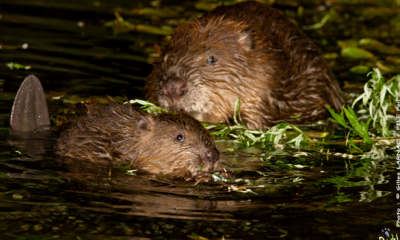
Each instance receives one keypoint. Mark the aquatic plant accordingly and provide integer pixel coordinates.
(248, 137)
(378, 96)
(357, 128)
(147, 106)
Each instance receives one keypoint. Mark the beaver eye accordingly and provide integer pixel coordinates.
(180, 138)
(211, 60)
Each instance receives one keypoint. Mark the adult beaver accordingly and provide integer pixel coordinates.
(249, 51)
(173, 144)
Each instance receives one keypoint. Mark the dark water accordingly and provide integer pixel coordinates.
(71, 51)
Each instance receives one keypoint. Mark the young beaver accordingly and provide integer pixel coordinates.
(173, 144)
(251, 52)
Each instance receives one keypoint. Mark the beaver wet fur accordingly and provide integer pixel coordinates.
(173, 144)
(249, 51)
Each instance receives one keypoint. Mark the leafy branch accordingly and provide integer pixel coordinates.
(357, 127)
(250, 137)
(378, 96)
(148, 106)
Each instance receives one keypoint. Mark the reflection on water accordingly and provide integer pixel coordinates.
(41, 196)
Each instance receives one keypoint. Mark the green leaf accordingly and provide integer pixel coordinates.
(367, 94)
(359, 128)
(297, 140)
(318, 25)
(382, 95)
(276, 132)
(297, 116)
(339, 118)
(368, 122)
(12, 65)
(373, 44)
(358, 99)
(358, 53)
(352, 118)
(333, 55)
(236, 112)
(354, 146)
(360, 69)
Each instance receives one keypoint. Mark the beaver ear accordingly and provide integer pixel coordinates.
(142, 124)
(246, 40)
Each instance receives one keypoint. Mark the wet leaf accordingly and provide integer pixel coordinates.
(148, 106)
(329, 56)
(360, 69)
(355, 146)
(347, 43)
(360, 128)
(236, 112)
(370, 42)
(170, 12)
(12, 65)
(297, 140)
(207, 6)
(338, 118)
(376, 45)
(55, 95)
(358, 53)
(318, 25)
(324, 134)
(388, 68)
(393, 59)
(120, 25)
(164, 30)
(296, 116)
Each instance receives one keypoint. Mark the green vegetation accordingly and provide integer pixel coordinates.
(248, 138)
(357, 127)
(148, 106)
(12, 65)
(378, 96)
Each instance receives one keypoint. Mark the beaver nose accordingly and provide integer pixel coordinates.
(211, 155)
(175, 88)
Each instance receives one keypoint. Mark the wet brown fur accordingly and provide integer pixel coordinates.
(261, 59)
(121, 133)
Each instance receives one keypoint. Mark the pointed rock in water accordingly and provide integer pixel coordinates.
(29, 112)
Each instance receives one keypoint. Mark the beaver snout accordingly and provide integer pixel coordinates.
(175, 88)
(211, 155)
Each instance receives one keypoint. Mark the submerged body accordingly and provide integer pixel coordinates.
(173, 144)
(250, 52)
